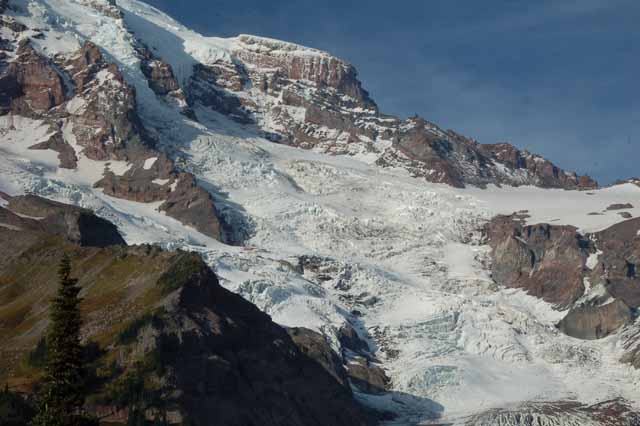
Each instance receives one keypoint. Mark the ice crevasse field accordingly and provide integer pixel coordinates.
(410, 267)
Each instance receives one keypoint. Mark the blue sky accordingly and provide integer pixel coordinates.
(560, 78)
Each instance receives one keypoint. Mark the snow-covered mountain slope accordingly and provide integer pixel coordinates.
(308, 98)
(393, 269)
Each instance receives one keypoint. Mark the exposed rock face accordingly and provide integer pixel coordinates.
(103, 112)
(142, 182)
(183, 199)
(315, 346)
(368, 377)
(540, 171)
(447, 157)
(547, 261)
(206, 87)
(550, 262)
(617, 265)
(172, 330)
(161, 78)
(77, 225)
(297, 63)
(595, 322)
(193, 206)
(31, 85)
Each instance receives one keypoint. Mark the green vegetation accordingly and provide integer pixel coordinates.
(186, 266)
(63, 393)
(38, 357)
(15, 410)
(131, 331)
(122, 298)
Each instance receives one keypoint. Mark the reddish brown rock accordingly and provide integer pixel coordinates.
(208, 87)
(31, 85)
(85, 64)
(550, 262)
(618, 263)
(546, 261)
(447, 157)
(183, 199)
(547, 174)
(141, 184)
(318, 67)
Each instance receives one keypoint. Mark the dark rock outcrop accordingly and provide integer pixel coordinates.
(618, 264)
(315, 346)
(31, 84)
(447, 157)
(546, 261)
(620, 206)
(595, 322)
(183, 199)
(541, 172)
(367, 376)
(207, 88)
(77, 225)
(192, 205)
(549, 262)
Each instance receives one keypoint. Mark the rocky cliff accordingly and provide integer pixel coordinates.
(593, 275)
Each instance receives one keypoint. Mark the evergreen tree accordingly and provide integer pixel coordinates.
(62, 396)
